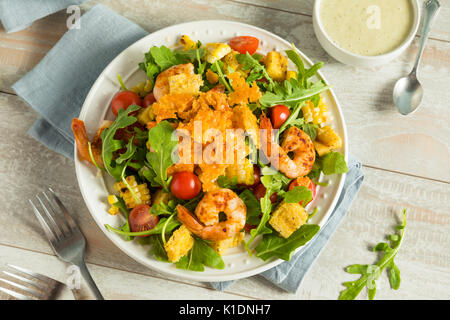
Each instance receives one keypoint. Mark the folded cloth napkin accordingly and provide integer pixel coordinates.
(58, 85)
(289, 275)
(19, 14)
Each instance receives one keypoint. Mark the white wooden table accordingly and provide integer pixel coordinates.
(406, 162)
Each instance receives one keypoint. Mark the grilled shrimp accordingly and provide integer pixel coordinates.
(82, 141)
(206, 224)
(161, 87)
(295, 141)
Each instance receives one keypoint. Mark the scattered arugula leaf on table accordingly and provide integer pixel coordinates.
(372, 272)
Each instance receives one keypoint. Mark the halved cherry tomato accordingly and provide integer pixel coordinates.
(124, 99)
(148, 100)
(279, 115)
(305, 182)
(244, 44)
(260, 191)
(185, 185)
(140, 219)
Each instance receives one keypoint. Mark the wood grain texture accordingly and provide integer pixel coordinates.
(29, 167)
(113, 287)
(379, 136)
(440, 29)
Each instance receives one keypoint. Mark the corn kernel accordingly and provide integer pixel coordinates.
(291, 75)
(187, 43)
(113, 210)
(242, 171)
(112, 199)
(141, 192)
(212, 77)
(316, 115)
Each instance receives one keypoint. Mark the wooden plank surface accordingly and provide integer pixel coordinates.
(32, 167)
(380, 137)
(395, 150)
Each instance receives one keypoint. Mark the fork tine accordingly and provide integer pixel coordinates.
(63, 223)
(53, 223)
(15, 294)
(31, 282)
(38, 276)
(69, 218)
(37, 294)
(49, 233)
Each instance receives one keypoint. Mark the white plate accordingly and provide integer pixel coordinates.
(95, 188)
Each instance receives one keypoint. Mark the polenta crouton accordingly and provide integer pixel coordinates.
(179, 244)
(287, 218)
(216, 51)
(326, 140)
(276, 65)
(185, 83)
(160, 196)
(223, 245)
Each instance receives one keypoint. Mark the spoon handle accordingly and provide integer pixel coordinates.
(431, 10)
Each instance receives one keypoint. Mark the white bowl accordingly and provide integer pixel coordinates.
(95, 188)
(354, 59)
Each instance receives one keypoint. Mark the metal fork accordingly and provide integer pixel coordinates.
(64, 235)
(43, 287)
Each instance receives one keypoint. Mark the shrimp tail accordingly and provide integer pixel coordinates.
(82, 142)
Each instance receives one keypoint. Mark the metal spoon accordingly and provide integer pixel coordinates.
(408, 91)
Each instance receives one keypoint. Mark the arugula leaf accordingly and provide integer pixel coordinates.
(273, 245)
(225, 182)
(371, 273)
(110, 145)
(297, 194)
(303, 74)
(290, 93)
(217, 67)
(160, 157)
(310, 129)
(333, 162)
(292, 120)
(164, 57)
(253, 207)
(163, 224)
(199, 256)
(257, 70)
(273, 183)
(157, 250)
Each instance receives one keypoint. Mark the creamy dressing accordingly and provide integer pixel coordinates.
(367, 27)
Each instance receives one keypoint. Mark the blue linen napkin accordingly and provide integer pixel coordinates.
(289, 275)
(57, 86)
(19, 14)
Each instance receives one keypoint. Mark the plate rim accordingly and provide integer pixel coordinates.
(197, 276)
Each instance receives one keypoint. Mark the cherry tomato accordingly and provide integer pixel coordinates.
(148, 100)
(279, 115)
(140, 219)
(244, 44)
(256, 175)
(124, 99)
(260, 191)
(305, 182)
(185, 185)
